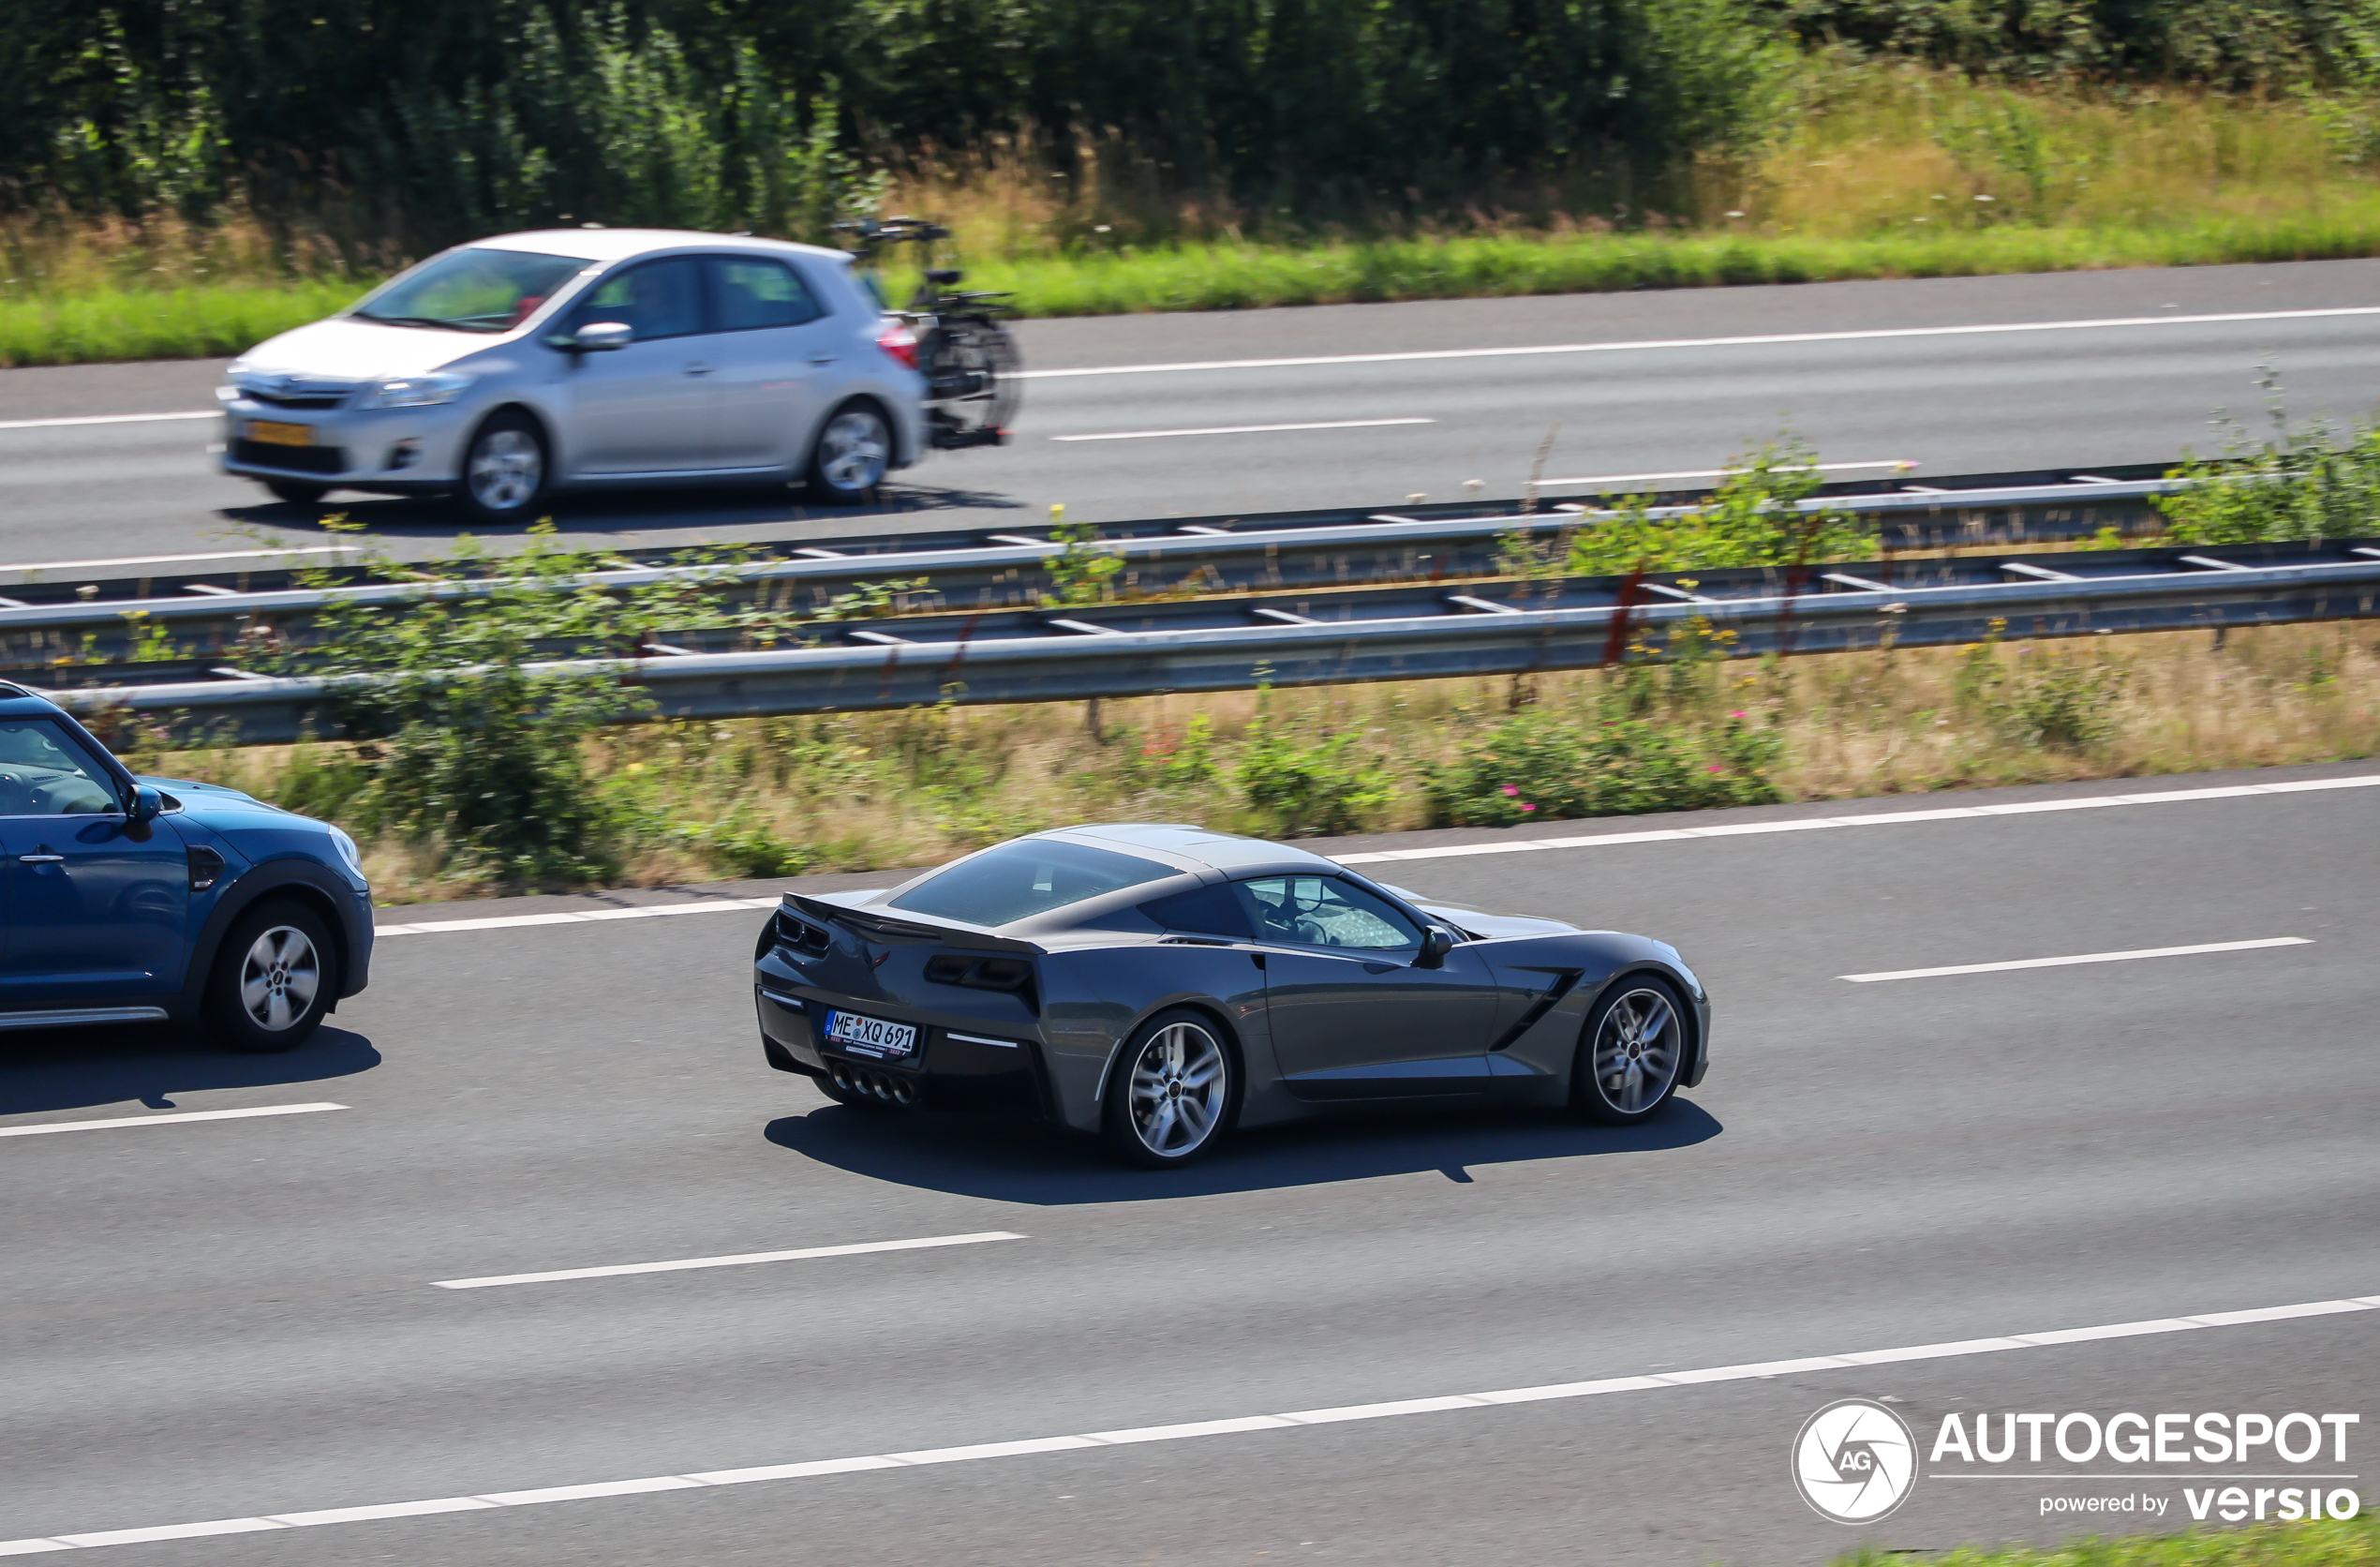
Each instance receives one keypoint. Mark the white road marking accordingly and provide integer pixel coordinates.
(742, 1259)
(1873, 818)
(644, 911)
(179, 560)
(48, 1127)
(1751, 340)
(106, 419)
(2079, 958)
(1248, 430)
(1709, 473)
(1392, 1410)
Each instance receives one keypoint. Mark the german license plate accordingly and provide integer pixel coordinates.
(272, 432)
(871, 1036)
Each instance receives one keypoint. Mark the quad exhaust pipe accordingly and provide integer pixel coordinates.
(880, 1086)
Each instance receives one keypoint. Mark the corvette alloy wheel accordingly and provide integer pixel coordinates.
(1633, 1057)
(1176, 1090)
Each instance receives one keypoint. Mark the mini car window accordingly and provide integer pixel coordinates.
(1202, 911)
(1029, 876)
(475, 289)
(44, 773)
(750, 294)
(659, 298)
(1323, 911)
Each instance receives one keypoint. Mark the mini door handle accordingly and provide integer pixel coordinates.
(40, 859)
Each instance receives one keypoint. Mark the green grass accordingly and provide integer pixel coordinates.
(2352, 1543)
(89, 326)
(119, 324)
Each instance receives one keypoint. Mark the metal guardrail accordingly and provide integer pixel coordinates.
(42, 622)
(2207, 590)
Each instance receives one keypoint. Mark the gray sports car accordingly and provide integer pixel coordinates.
(1160, 985)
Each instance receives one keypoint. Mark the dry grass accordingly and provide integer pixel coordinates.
(707, 802)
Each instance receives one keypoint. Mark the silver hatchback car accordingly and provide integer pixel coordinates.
(506, 369)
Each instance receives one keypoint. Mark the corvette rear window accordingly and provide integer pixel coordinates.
(1026, 877)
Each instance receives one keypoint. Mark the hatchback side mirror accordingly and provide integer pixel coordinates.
(1436, 941)
(597, 337)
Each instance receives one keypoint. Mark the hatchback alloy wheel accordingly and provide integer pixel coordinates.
(854, 450)
(507, 469)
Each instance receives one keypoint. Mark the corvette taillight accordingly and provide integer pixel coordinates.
(895, 339)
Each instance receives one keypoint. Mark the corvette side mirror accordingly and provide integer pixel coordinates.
(1436, 941)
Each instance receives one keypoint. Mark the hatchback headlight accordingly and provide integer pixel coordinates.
(348, 851)
(417, 391)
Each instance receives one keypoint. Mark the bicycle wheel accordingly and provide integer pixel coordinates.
(971, 391)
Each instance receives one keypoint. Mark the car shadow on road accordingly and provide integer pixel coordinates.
(1008, 1162)
(73, 1068)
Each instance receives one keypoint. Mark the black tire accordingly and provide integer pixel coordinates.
(1163, 1110)
(853, 1097)
(506, 469)
(1644, 1057)
(295, 492)
(275, 976)
(852, 455)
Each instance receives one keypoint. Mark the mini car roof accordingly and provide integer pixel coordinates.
(614, 244)
(1227, 853)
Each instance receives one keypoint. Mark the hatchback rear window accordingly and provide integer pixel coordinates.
(1026, 877)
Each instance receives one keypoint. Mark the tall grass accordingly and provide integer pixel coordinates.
(1886, 170)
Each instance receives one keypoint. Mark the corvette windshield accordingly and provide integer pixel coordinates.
(471, 289)
(1029, 876)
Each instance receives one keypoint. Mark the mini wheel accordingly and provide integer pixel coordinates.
(1631, 1052)
(275, 976)
(504, 469)
(852, 453)
(1171, 1093)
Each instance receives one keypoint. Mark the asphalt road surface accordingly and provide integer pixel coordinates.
(239, 1318)
(1435, 396)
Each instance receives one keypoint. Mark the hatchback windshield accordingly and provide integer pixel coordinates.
(1026, 877)
(472, 291)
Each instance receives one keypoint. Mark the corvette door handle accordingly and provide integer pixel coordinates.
(40, 859)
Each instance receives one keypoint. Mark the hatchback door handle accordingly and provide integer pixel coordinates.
(824, 358)
(40, 859)
(697, 367)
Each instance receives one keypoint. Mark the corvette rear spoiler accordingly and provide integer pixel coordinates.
(906, 927)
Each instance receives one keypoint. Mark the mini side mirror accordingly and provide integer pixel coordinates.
(146, 804)
(597, 337)
(1436, 941)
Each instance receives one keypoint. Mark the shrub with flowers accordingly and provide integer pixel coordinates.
(1541, 764)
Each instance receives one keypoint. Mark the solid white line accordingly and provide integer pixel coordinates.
(1706, 473)
(1393, 1409)
(1873, 818)
(105, 419)
(163, 1120)
(742, 1259)
(510, 922)
(1753, 340)
(1249, 429)
(2079, 958)
(178, 559)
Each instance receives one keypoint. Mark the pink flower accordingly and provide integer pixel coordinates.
(1735, 715)
(1511, 789)
(1529, 807)
(1715, 768)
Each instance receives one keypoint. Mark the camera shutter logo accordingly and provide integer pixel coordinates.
(1854, 1461)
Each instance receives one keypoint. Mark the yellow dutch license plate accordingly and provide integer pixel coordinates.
(272, 432)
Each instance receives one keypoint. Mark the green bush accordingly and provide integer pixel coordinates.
(2352, 1543)
(1540, 765)
(1299, 789)
(1754, 518)
(2297, 482)
(2058, 702)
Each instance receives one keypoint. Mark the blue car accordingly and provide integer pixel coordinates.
(138, 900)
